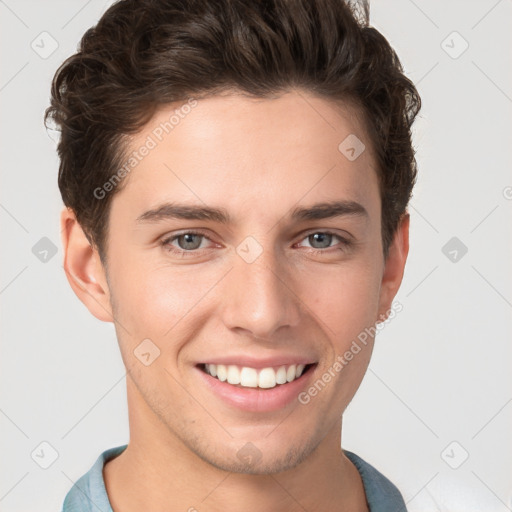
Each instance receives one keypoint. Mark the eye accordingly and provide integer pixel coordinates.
(189, 241)
(324, 239)
(182, 243)
(320, 240)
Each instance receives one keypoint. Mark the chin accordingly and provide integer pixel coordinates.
(257, 458)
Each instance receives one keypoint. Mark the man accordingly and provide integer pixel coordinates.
(236, 177)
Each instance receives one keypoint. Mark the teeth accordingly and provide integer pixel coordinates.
(290, 373)
(233, 375)
(265, 378)
(248, 377)
(281, 375)
(222, 373)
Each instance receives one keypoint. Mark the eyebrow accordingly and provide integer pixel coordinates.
(317, 211)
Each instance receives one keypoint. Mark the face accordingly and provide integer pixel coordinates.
(246, 244)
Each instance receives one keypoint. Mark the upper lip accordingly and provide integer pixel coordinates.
(259, 362)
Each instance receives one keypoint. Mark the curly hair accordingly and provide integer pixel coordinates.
(143, 54)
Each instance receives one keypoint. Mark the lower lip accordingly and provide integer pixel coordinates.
(257, 399)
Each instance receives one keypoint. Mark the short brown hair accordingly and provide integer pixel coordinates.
(143, 54)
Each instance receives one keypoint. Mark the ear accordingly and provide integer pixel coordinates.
(394, 267)
(83, 268)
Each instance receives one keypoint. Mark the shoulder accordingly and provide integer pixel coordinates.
(382, 495)
(89, 493)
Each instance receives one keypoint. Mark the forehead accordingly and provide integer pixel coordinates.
(257, 155)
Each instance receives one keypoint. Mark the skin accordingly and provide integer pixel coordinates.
(258, 159)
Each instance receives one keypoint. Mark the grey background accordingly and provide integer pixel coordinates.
(439, 386)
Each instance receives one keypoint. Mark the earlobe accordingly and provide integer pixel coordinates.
(394, 267)
(83, 268)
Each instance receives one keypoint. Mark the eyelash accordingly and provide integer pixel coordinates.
(166, 243)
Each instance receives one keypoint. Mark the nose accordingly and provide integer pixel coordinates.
(259, 298)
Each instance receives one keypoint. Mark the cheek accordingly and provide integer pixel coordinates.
(158, 300)
(153, 305)
(344, 299)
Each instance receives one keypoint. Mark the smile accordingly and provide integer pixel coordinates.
(247, 377)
